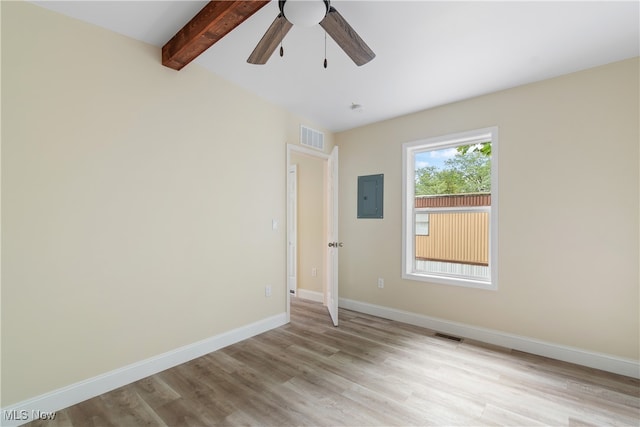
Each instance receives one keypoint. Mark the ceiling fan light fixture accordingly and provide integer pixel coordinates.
(305, 13)
(311, 12)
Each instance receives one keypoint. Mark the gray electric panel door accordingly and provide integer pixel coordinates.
(370, 195)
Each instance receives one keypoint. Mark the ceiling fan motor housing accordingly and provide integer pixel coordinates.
(304, 12)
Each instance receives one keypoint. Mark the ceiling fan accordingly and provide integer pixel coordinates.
(309, 13)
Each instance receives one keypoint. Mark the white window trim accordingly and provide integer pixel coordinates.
(408, 203)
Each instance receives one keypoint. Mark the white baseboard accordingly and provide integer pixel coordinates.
(605, 362)
(310, 295)
(25, 411)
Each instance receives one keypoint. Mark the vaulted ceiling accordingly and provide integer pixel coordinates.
(428, 53)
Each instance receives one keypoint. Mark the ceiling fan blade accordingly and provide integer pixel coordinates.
(346, 37)
(271, 39)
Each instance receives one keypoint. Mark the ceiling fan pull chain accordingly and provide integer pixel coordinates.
(281, 37)
(325, 49)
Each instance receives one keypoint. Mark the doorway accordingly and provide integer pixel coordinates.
(312, 227)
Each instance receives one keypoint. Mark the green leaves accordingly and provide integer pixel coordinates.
(469, 171)
(483, 148)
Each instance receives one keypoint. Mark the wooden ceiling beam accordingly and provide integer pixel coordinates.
(213, 22)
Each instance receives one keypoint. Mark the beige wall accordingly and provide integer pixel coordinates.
(311, 212)
(125, 220)
(568, 212)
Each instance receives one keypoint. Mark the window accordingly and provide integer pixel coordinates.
(450, 209)
(422, 223)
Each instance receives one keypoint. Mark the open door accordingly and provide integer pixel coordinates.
(333, 245)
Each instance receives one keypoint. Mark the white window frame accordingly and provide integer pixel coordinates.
(409, 150)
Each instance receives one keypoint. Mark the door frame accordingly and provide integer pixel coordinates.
(292, 229)
(299, 149)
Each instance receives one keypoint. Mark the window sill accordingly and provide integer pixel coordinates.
(455, 281)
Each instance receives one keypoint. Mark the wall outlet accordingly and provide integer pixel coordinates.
(380, 282)
(314, 272)
(267, 291)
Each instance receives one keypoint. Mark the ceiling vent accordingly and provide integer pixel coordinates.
(311, 138)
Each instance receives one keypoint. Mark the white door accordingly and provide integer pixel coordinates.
(333, 244)
(292, 230)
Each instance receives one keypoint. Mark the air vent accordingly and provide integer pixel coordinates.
(449, 337)
(311, 138)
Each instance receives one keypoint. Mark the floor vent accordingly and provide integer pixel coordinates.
(449, 337)
(311, 138)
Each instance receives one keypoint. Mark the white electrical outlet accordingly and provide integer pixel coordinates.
(314, 272)
(380, 282)
(267, 291)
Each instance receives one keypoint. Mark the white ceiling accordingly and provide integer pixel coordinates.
(428, 53)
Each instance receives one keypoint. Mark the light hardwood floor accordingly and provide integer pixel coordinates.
(366, 372)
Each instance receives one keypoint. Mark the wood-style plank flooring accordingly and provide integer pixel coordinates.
(366, 372)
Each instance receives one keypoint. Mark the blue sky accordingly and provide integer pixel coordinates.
(434, 158)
